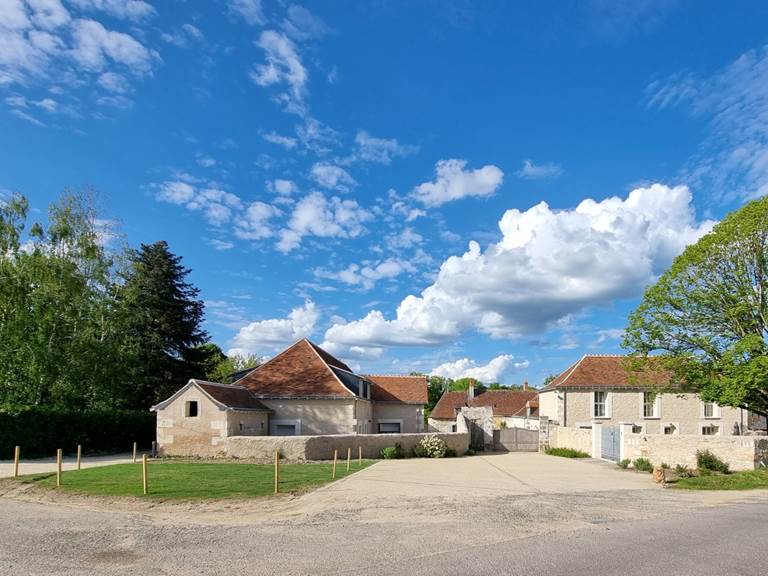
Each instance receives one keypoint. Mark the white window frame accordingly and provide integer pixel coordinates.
(708, 424)
(187, 404)
(389, 421)
(665, 424)
(606, 405)
(715, 411)
(273, 424)
(656, 406)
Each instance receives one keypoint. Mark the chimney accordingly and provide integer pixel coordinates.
(525, 386)
(471, 390)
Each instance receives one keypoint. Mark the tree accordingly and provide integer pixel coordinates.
(707, 315)
(161, 316)
(229, 366)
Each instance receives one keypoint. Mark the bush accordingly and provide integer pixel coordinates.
(41, 431)
(643, 465)
(450, 453)
(624, 463)
(434, 446)
(469, 452)
(392, 452)
(419, 451)
(566, 453)
(708, 461)
(683, 471)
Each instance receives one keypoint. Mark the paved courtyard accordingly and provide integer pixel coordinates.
(42, 465)
(501, 513)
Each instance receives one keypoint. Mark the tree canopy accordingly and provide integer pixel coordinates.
(707, 315)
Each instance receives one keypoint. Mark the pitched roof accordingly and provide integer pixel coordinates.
(503, 402)
(603, 371)
(302, 370)
(406, 389)
(235, 397)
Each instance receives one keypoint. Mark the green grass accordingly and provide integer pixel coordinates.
(566, 453)
(194, 480)
(748, 480)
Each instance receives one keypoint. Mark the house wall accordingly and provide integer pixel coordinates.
(316, 416)
(548, 405)
(247, 423)
(363, 414)
(685, 411)
(517, 422)
(202, 435)
(576, 438)
(434, 425)
(410, 415)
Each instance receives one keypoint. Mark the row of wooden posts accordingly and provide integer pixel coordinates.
(335, 460)
(59, 454)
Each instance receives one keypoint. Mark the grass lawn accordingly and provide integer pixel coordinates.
(748, 480)
(194, 480)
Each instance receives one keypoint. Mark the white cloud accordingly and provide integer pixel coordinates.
(733, 159)
(273, 334)
(255, 223)
(548, 264)
(367, 275)
(316, 215)
(282, 67)
(531, 171)
(285, 141)
(282, 187)
(113, 82)
(48, 14)
(332, 177)
(452, 182)
(221, 245)
(488, 373)
(205, 161)
(406, 238)
(184, 36)
(379, 150)
(216, 205)
(135, 10)
(94, 46)
(248, 10)
(300, 24)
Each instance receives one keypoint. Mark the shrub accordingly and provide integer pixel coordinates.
(450, 453)
(391, 452)
(41, 431)
(469, 452)
(566, 453)
(664, 466)
(624, 463)
(643, 465)
(708, 461)
(434, 446)
(419, 451)
(683, 471)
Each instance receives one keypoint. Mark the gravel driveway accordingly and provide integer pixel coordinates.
(480, 515)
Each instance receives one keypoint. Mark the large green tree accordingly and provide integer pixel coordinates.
(161, 316)
(707, 315)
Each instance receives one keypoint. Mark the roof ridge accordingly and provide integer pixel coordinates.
(397, 375)
(328, 366)
(260, 366)
(199, 381)
(572, 370)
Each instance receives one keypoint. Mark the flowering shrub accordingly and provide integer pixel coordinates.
(433, 446)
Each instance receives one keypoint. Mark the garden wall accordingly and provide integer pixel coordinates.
(576, 438)
(740, 452)
(303, 448)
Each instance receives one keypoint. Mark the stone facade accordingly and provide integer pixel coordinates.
(314, 416)
(576, 438)
(435, 425)
(307, 448)
(409, 416)
(682, 413)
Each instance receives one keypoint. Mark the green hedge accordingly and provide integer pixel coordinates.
(41, 431)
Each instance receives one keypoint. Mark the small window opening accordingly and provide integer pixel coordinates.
(191, 409)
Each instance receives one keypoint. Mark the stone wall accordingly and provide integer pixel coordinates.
(202, 435)
(740, 452)
(304, 448)
(576, 438)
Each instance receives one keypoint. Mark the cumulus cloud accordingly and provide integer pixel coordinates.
(379, 150)
(368, 274)
(332, 177)
(531, 171)
(547, 265)
(94, 45)
(184, 36)
(282, 67)
(248, 10)
(491, 372)
(316, 215)
(255, 223)
(216, 205)
(134, 10)
(273, 334)
(286, 142)
(453, 182)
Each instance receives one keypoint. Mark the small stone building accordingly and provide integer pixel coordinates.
(303, 391)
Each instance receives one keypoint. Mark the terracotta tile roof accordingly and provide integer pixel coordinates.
(235, 397)
(593, 371)
(301, 370)
(503, 402)
(406, 389)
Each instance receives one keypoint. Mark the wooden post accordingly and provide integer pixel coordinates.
(79, 455)
(144, 476)
(335, 457)
(360, 455)
(134, 452)
(58, 467)
(16, 458)
(277, 471)
(349, 457)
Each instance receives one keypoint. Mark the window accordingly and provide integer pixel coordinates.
(600, 404)
(669, 429)
(389, 427)
(190, 409)
(710, 430)
(637, 428)
(650, 405)
(711, 410)
(285, 430)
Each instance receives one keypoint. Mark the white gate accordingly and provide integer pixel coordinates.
(610, 443)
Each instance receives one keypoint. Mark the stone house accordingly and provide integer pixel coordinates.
(303, 391)
(599, 388)
(510, 408)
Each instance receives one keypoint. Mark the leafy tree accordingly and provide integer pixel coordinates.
(708, 313)
(161, 315)
(226, 369)
(463, 384)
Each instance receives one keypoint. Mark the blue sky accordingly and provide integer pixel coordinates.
(464, 188)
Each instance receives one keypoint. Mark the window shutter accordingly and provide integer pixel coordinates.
(609, 404)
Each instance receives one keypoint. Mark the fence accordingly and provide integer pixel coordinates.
(516, 440)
